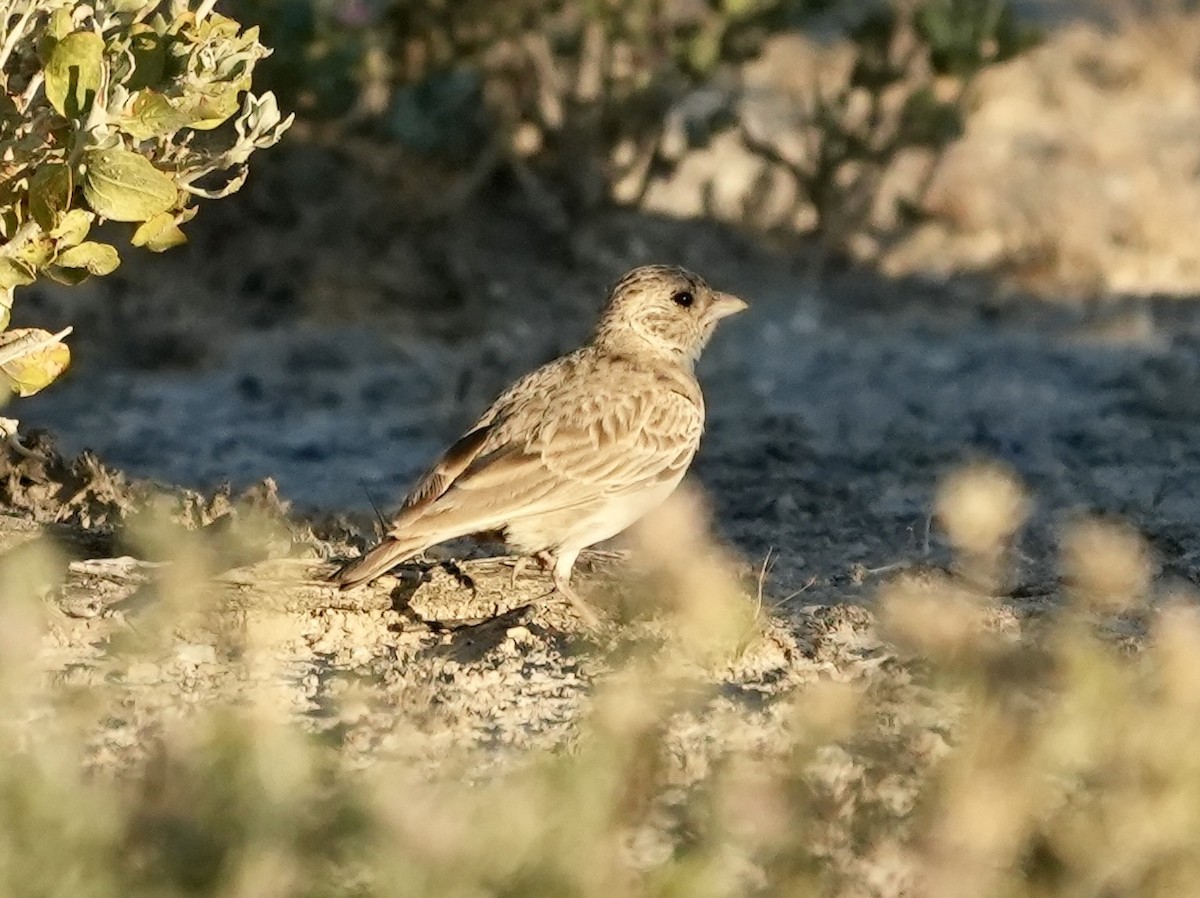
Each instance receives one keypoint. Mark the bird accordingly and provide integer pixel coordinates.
(581, 448)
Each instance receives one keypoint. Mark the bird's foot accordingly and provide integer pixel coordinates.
(519, 563)
(589, 617)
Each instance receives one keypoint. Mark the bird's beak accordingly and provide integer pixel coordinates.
(726, 304)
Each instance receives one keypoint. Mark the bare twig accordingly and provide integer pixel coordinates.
(762, 579)
(788, 598)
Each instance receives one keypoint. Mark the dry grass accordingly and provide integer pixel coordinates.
(976, 756)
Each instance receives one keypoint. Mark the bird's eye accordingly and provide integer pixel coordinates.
(683, 298)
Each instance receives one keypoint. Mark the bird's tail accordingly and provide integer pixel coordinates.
(376, 561)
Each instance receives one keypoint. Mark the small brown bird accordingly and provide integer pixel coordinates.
(580, 449)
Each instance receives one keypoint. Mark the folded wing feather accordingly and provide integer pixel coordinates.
(528, 464)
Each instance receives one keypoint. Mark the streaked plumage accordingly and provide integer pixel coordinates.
(578, 450)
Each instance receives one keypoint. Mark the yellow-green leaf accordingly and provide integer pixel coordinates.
(151, 115)
(35, 251)
(35, 369)
(14, 273)
(50, 194)
(216, 25)
(159, 233)
(704, 50)
(6, 301)
(124, 186)
(61, 23)
(72, 228)
(213, 110)
(75, 72)
(97, 258)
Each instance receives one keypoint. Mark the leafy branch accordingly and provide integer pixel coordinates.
(117, 110)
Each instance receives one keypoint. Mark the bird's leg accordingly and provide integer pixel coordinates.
(544, 559)
(518, 566)
(563, 563)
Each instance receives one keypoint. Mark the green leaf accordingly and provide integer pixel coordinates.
(34, 252)
(69, 277)
(159, 233)
(124, 186)
(97, 258)
(75, 73)
(213, 110)
(72, 228)
(12, 192)
(151, 115)
(35, 369)
(50, 194)
(14, 273)
(10, 220)
(6, 301)
(60, 25)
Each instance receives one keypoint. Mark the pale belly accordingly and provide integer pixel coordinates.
(579, 528)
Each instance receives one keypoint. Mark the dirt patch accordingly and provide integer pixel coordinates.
(449, 655)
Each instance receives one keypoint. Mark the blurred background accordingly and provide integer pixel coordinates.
(966, 227)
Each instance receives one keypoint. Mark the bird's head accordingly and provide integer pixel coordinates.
(663, 310)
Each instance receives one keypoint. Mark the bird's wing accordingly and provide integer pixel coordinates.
(606, 445)
(487, 436)
(563, 449)
(453, 462)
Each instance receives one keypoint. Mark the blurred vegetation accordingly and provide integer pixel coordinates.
(581, 91)
(120, 111)
(1055, 762)
(906, 87)
(585, 103)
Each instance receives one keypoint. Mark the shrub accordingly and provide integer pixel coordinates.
(121, 111)
(575, 95)
(905, 87)
(584, 103)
